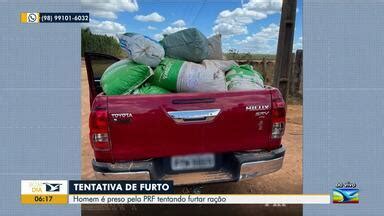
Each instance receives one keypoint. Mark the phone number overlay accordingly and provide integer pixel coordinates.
(64, 17)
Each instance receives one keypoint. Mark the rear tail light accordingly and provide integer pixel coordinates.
(277, 130)
(278, 114)
(100, 137)
(98, 126)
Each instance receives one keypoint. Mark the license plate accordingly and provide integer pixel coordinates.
(193, 162)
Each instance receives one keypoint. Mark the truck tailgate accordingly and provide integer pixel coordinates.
(153, 126)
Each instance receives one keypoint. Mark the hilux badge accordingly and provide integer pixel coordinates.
(256, 107)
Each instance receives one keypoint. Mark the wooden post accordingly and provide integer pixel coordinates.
(295, 80)
(284, 46)
(299, 72)
(264, 68)
(291, 77)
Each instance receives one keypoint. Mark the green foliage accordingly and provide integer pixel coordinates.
(236, 55)
(100, 44)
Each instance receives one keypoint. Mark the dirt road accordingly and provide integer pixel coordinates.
(288, 180)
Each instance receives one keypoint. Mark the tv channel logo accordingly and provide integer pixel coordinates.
(345, 195)
(50, 187)
(26, 17)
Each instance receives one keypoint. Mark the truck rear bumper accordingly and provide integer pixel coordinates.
(241, 165)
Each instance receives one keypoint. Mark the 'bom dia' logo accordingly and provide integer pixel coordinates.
(36, 187)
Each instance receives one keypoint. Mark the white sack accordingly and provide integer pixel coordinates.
(142, 49)
(205, 77)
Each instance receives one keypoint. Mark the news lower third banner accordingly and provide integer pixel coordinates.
(143, 192)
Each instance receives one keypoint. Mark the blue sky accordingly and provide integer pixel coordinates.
(246, 25)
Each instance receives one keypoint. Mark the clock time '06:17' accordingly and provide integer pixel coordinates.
(43, 198)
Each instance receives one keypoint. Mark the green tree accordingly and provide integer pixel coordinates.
(100, 44)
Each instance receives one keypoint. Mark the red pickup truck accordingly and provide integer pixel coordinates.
(190, 138)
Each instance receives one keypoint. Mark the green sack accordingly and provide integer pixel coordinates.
(244, 77)
(124, 76)
(189, 44)
(150, 89)
(166, 74)
(183, 76)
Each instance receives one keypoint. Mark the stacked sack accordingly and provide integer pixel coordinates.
(142, 49)
(124, 76)
(185, 61)
(129, 76)
(183, 76)
(244, 78)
